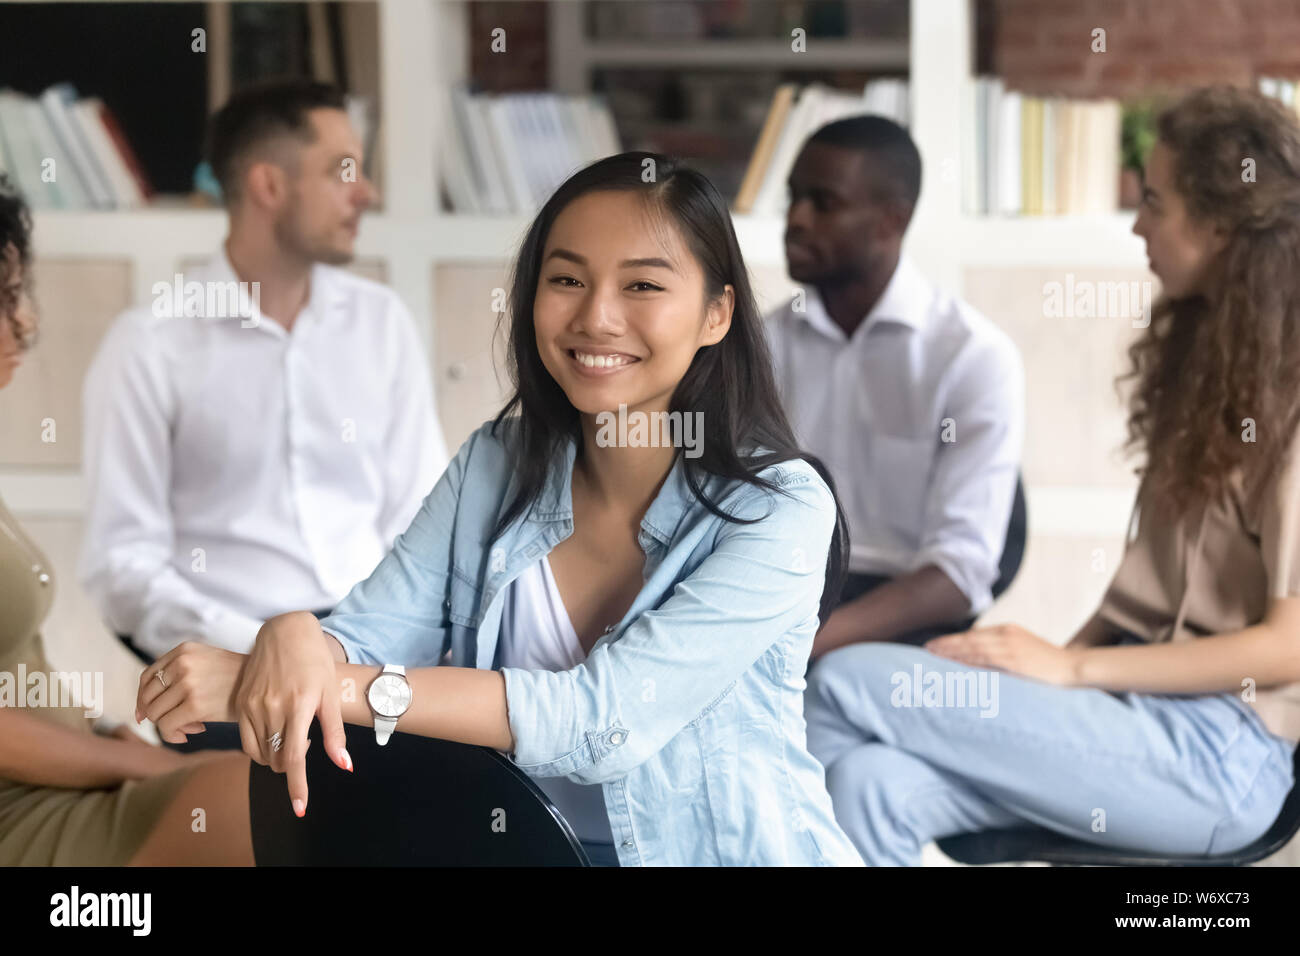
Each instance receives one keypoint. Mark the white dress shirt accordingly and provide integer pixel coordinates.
(236, 471)
(919, 417)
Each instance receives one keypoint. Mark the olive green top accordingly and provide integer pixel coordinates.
(46, 826)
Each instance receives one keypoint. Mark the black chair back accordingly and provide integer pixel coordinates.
(1040, 845)
(145, 659)
(1013, 550)
(414, 802)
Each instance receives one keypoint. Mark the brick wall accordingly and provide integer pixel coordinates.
(523, 65)
(1043, 47)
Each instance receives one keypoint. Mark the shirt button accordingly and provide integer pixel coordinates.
(629, 844)
(616, 738)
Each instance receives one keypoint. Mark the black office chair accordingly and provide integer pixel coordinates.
(1013, 549)
(415, 802)
(1038, 844)
(145, 659)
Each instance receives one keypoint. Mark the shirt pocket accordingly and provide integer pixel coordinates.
(898, 479)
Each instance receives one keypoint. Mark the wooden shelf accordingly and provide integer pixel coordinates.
(822, 54)
(988, 240)
(1104, 240)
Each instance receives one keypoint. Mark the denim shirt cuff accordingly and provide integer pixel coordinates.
(349, 649)
(544, 745)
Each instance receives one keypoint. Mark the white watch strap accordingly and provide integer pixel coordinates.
(384, 726)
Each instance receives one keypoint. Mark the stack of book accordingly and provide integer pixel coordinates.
(68, 153)
(504, 154)
(793, 116)
(1033, 156)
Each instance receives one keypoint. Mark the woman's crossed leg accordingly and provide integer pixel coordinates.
(918, 747)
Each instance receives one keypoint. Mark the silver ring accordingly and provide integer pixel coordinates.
(276, 741)
(162, 680)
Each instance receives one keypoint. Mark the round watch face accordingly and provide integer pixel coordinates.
(389, 695)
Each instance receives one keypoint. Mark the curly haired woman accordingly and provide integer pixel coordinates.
(1169, 722)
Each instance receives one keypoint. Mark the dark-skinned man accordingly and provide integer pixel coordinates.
(912, 399)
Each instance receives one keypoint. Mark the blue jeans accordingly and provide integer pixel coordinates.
(916, 748)
(601, 854)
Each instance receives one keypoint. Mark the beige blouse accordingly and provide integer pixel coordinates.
(1216, 575)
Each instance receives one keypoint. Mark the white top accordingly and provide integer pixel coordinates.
(919, 417)
(236, 471)
(536, 634)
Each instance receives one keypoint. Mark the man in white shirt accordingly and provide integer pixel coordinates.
(912, 399)
(257, 437)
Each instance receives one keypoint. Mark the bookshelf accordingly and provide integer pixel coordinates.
(575, 53)
(424, 46)
(938, 54)
(1077, 507)
(443, 265)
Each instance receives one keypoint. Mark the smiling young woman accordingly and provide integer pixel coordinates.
(629, 623)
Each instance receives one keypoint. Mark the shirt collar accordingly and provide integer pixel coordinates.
(905, 301)
(321, 297)
(555, 502)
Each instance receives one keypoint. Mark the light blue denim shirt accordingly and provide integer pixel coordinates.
(689, 713)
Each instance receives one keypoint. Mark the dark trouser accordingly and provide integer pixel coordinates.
(856, 585)
(219, 735)
(601, 854)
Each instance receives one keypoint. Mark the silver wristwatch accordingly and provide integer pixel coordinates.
(389, 697)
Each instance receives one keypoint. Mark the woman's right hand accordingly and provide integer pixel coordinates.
(288, 679)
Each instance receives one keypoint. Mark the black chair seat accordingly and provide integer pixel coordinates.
(1040, 845)
(415, 802)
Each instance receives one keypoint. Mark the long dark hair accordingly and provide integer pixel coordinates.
(1207, 362)
(730, 382)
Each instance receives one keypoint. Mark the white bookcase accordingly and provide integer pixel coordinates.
(1076, 509)
(424, 48)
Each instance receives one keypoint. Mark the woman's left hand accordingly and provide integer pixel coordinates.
(198, 685)
(1010, 648)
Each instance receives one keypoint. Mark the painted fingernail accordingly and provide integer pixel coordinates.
(299, 808)
(345, 759)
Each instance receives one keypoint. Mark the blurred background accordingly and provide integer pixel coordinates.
(1032, 117)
